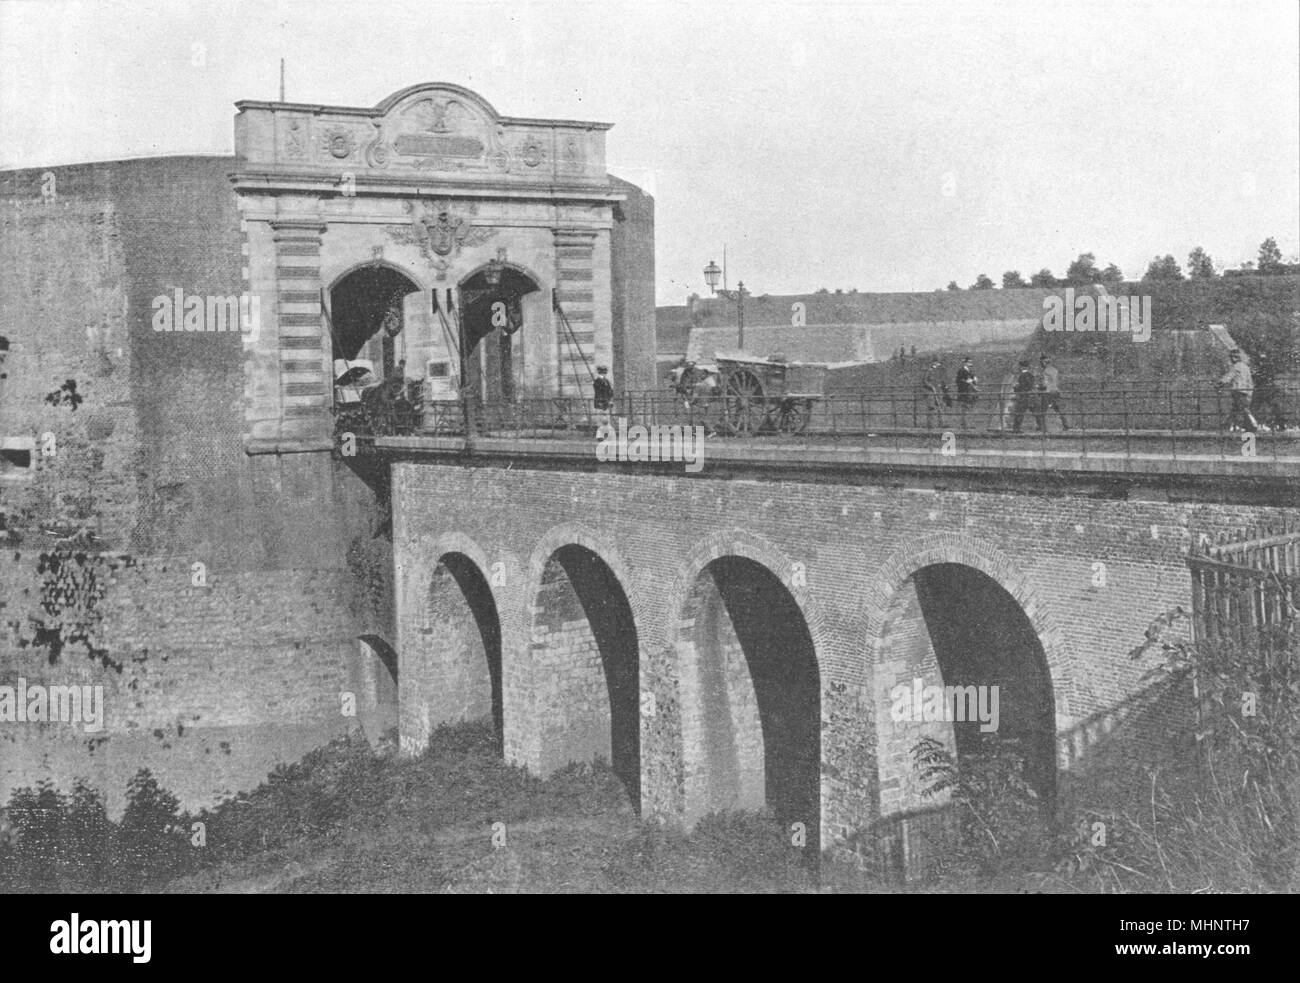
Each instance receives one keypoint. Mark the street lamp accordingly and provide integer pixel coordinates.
(711, 274)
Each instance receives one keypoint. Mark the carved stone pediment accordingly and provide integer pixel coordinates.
(435, 128)
(441, 129)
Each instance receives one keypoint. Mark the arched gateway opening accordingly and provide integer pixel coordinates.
(751, 702)
(494, 303)
(960, 663)
(585, 668)
(366, 318)
(453, 672)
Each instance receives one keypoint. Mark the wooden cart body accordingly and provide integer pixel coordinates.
(768, 394)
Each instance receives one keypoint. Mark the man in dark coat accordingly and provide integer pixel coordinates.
(1026, 385)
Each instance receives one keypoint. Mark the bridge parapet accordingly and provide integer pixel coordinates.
(1174, 434)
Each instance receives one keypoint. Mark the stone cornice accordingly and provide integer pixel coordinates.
(321, 185)
(389, 102)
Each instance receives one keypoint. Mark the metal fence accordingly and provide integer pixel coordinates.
(1132, 417)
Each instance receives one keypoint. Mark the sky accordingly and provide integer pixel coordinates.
(880, 146)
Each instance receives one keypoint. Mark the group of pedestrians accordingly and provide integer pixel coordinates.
(1027, 391)
(1031, 392)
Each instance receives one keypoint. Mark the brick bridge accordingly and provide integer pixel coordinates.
(730, 639)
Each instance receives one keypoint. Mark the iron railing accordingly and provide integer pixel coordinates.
(1130, 418)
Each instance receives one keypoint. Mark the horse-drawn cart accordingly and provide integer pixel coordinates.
(762, 395)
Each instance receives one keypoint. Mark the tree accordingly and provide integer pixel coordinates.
(1199, 264)
(1083, 271)
(982, 282)
(1012, 278)
(1043, 278)
(1270, 256)
(1112, 274)
(1163, 268)
(952, 285)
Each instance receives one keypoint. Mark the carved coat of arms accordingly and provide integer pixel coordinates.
(439, 231)
(444, 233)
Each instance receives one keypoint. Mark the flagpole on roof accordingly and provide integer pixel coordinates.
(282, 80)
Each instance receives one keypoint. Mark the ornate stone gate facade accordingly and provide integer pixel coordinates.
(437, 185)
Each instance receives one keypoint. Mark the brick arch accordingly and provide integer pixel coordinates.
(577, 534)
(428, 552)
(578, 674)
(740, 542)
(965, 550)
(962, 631)
(455, 674)
(746, 687)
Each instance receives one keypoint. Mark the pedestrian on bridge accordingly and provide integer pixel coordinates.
(933, 391)
(1023, 395)
(967, 387)
(1049, 388)
(603, 391)
(1241, 388)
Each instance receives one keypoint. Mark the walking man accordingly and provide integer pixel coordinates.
(1241, 387)
(932, 391)
(1023, 394)
(967, 387)
(1050, 387)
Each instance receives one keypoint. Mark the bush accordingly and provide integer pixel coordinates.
(152, 842)
(998, 815)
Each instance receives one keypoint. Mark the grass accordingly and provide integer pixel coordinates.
(458, 819)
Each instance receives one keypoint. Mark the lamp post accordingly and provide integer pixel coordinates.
(711, 274)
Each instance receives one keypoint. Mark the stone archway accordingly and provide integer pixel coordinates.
(451, 663)
(750, 700)
(962, 655)
(585, 665)
(497, 301)
(366, 317)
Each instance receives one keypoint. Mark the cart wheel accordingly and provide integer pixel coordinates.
(792, 416)
(744, 409)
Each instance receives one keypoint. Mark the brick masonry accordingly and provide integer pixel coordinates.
(847, 556)
(208, 686)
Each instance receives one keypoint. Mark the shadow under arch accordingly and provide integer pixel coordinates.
(367, 264)
(960, 663)
(586, 667)
(496, 299)
(366, 314)
(454, 672)
(751, 697)
(384, 652)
